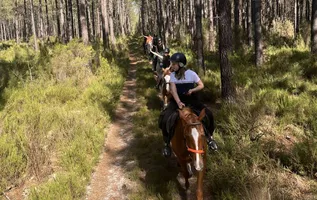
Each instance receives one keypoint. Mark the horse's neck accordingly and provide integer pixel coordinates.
(179, 133)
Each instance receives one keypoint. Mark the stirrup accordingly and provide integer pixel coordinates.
(212, 145)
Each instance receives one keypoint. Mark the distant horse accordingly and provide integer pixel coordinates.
(165, 88)
(189, 146)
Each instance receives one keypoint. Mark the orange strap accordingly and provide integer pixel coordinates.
(195, 151)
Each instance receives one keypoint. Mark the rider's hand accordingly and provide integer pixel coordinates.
(181, 105)
(189, 92)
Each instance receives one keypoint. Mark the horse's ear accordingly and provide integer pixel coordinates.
(202, 114)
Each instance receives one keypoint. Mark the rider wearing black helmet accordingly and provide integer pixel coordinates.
(164, 63)
(185, 84)
(159, 48)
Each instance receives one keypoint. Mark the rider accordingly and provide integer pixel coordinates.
(184, 91)
(165, 63)
(159, 48)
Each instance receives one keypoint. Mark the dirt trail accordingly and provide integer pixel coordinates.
(110, 181)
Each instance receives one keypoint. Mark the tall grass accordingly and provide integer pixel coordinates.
(55, 113)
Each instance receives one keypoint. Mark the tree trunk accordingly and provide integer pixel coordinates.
(83, 22)
(258, 33)
(88, 20)
(41, 35)
(98, 32)
(199, 37)
(58, 20)
(70, 24)
(314, 27)
(78, 19)
(225, 49)
(211, 27)
(105, 23)
(296, 18)
(308, 10)
(237, 42)
(112, 36)
(93, 25)
(62, 21)
(25, 27)
(16, 15)
(33, 27)
(47, 20)
(249, 24)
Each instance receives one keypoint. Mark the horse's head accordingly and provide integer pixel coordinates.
(194, 135)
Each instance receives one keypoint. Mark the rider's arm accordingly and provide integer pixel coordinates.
(158, 55)
(200, 86)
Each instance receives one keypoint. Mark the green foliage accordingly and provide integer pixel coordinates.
(282, 33)
(53, 122)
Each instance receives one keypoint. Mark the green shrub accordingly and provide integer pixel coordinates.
(53, 126)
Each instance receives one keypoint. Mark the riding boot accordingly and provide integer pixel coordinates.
(212, 145)
(167, 151)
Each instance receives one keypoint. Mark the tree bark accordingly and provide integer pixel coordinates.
(314, 27)
(211, 26)
(83, 21)
(237, 43)
(199, 37)
(25, 27)
(70, 24)
(249, 24)
(47, 25)
(225, 49)
(112, 36)
(16, 15)
(105, 23)
(41, 31)
(258, 34)
(33, 27)
(58, 20)
(78, 19)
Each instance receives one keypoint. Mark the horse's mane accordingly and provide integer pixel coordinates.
(189, 115)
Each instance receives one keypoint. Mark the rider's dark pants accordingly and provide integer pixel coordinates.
(154, 63)
(195, 105)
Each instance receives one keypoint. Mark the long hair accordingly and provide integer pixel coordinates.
(180, 73)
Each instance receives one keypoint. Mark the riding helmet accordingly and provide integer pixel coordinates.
(180, 58)
(166, 50)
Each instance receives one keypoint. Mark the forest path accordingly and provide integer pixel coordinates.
(110, 181)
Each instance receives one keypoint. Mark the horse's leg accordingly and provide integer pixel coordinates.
(200, 179)
(199, 191)
(185, 173)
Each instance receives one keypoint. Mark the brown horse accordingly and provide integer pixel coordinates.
(189, 146)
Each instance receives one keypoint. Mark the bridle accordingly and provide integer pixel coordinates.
(190, 149)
